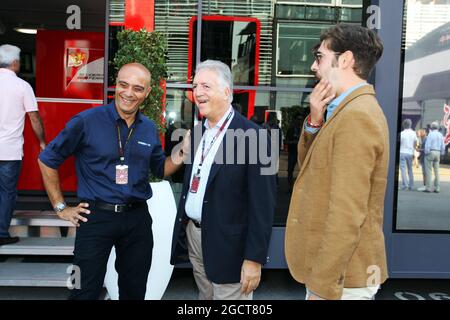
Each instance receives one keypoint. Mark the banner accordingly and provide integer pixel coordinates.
(84, 65)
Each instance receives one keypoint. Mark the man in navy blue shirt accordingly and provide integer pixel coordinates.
(115, 148)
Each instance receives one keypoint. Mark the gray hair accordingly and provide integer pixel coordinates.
(222, 70)
(8, 54)
(435, 125)
(407, 124)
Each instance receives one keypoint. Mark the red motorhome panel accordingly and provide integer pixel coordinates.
(69, 79)
(58, 55)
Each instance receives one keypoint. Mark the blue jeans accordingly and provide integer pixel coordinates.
(406, 164)
(9, 176)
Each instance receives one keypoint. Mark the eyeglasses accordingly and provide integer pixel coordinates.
(318, 56)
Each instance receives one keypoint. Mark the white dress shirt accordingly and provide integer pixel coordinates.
(194, 201)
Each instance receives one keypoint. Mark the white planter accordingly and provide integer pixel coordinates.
(163, 210)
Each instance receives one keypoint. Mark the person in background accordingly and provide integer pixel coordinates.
(434, 148)
(408, 142)
(16, 99)
(273, 127)
(422, 138)
(293, 134)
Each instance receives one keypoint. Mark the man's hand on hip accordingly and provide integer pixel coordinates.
(72, 214)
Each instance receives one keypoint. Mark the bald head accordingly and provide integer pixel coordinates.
(132, 87)
(138, 69)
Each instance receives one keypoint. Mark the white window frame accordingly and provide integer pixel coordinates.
(332, 3)
(297, 75)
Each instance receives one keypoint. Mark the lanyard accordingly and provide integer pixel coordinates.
(122, 148)
(204, 154)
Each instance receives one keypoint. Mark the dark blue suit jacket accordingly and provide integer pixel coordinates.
(238, 210)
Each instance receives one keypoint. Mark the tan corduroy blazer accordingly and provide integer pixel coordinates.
(334, 231)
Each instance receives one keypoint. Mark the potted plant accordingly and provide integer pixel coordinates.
(149, 49)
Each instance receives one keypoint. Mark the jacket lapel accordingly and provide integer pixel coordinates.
(368, 89)
(234, 124)
(196, 136)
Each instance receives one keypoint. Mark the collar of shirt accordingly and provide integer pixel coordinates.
(194, 201)
(221, 121)
(7, 71)
(115, 115)
(333, 104)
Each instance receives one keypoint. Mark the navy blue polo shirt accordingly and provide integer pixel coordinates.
(92, 137)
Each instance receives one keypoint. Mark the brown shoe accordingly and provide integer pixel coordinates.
(8, 240)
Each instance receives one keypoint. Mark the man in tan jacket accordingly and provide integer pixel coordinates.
(334, 234)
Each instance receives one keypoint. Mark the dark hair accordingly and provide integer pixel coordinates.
(365, 45)
(272, 118)
(315, 48)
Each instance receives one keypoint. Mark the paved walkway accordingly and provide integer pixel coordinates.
(275, 285)
(418, 210)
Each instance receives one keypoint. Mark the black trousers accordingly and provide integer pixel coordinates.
(131, 234)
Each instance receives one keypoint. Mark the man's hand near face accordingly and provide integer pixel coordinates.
(321, 95)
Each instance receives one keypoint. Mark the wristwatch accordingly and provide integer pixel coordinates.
(60, 206)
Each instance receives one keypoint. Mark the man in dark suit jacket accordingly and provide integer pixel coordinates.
(227, 204)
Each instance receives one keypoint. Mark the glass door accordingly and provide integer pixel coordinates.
(412, 85)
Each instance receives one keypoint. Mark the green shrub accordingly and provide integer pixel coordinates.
(149, 49)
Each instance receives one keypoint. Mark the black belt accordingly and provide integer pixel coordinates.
(196, 223)
(115, 207)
